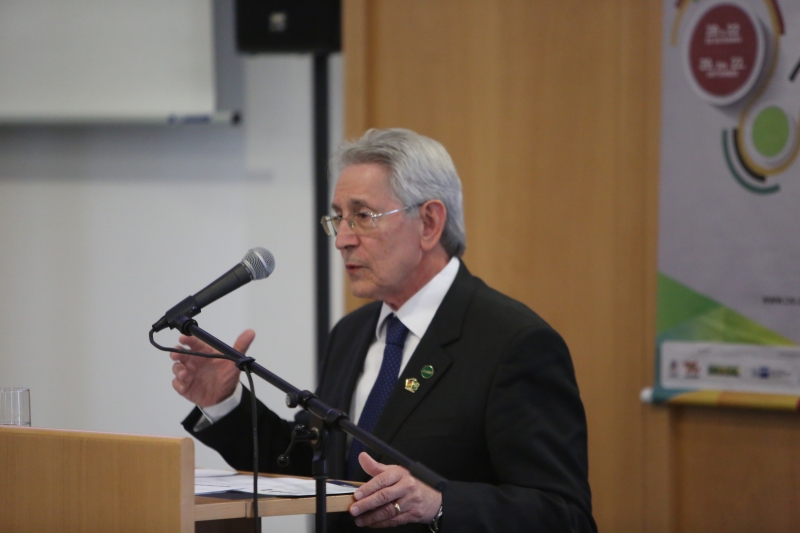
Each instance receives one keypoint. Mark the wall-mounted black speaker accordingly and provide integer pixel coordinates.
(288, 26)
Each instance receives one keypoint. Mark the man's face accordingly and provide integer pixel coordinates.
(382, 261)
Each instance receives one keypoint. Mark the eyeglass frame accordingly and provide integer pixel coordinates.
(331, 226)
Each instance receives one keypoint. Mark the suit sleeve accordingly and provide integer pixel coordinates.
(536, 437)
(232, 437)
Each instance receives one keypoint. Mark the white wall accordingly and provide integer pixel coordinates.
(102, 229)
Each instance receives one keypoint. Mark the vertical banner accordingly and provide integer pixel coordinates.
(729, 222)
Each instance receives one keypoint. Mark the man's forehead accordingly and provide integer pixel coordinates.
(361, 186)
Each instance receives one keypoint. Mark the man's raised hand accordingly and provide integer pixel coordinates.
(203, 381)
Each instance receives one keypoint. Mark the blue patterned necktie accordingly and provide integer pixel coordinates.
(396, 334)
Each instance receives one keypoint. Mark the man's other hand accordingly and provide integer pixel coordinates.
(392, 497)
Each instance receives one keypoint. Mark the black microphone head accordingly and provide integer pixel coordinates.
(259, 262)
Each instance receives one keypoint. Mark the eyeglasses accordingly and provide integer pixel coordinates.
(359, 222)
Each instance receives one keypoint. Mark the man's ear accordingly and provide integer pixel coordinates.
(433, 214)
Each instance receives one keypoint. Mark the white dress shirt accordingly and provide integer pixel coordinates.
(416, 314)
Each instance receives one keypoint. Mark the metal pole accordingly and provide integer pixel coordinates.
(321, 201)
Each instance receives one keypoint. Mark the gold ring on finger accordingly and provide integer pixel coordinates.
(397, 506)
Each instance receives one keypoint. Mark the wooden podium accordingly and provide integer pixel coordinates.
(59, 480)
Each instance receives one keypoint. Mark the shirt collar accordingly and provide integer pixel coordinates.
(417, 313)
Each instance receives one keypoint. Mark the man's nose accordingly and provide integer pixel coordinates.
(345, 236)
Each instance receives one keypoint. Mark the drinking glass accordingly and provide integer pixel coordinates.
(15, 406)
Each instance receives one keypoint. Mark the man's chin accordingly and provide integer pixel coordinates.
(362, 289)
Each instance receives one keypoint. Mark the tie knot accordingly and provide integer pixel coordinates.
(396, 332)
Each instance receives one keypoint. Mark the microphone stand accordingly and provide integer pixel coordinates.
(325, 418)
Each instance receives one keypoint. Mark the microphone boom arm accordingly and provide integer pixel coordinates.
(333, 418)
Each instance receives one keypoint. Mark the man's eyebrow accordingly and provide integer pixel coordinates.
(352, 204)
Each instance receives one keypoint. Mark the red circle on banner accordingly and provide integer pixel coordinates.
(724, 51)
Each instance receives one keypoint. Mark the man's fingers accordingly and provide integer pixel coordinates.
(382, 476)
(196, 345)
(375, 499)
(384, 516)
(244, 341)
(370, 465)
(374, 496)
(186, 339)
(179, 357)
(205, 381)
(179, 386)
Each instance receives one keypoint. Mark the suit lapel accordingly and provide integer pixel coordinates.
(444, 328)
(345, 370)
(340, 375)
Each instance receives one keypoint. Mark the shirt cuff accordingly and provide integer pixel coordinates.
(214, 413)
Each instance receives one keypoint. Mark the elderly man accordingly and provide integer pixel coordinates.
(450, 372)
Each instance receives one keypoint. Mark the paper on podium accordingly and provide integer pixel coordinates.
(212, 481)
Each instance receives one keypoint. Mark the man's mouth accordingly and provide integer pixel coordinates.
(351, 267)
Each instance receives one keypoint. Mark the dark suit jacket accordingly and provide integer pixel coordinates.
(501, 417)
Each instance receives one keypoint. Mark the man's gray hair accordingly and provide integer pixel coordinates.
(420, 169)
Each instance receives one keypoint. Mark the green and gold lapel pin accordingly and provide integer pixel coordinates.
(427, 371)
(412, 384)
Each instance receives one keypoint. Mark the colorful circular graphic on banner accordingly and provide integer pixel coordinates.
(770, 134)
(724, 52)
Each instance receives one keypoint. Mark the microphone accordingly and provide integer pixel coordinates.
(258, 263)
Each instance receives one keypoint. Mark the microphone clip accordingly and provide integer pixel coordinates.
(186, 309)
(242, 363)
(182, 323)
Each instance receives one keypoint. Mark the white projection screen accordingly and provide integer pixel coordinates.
(105, 60)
